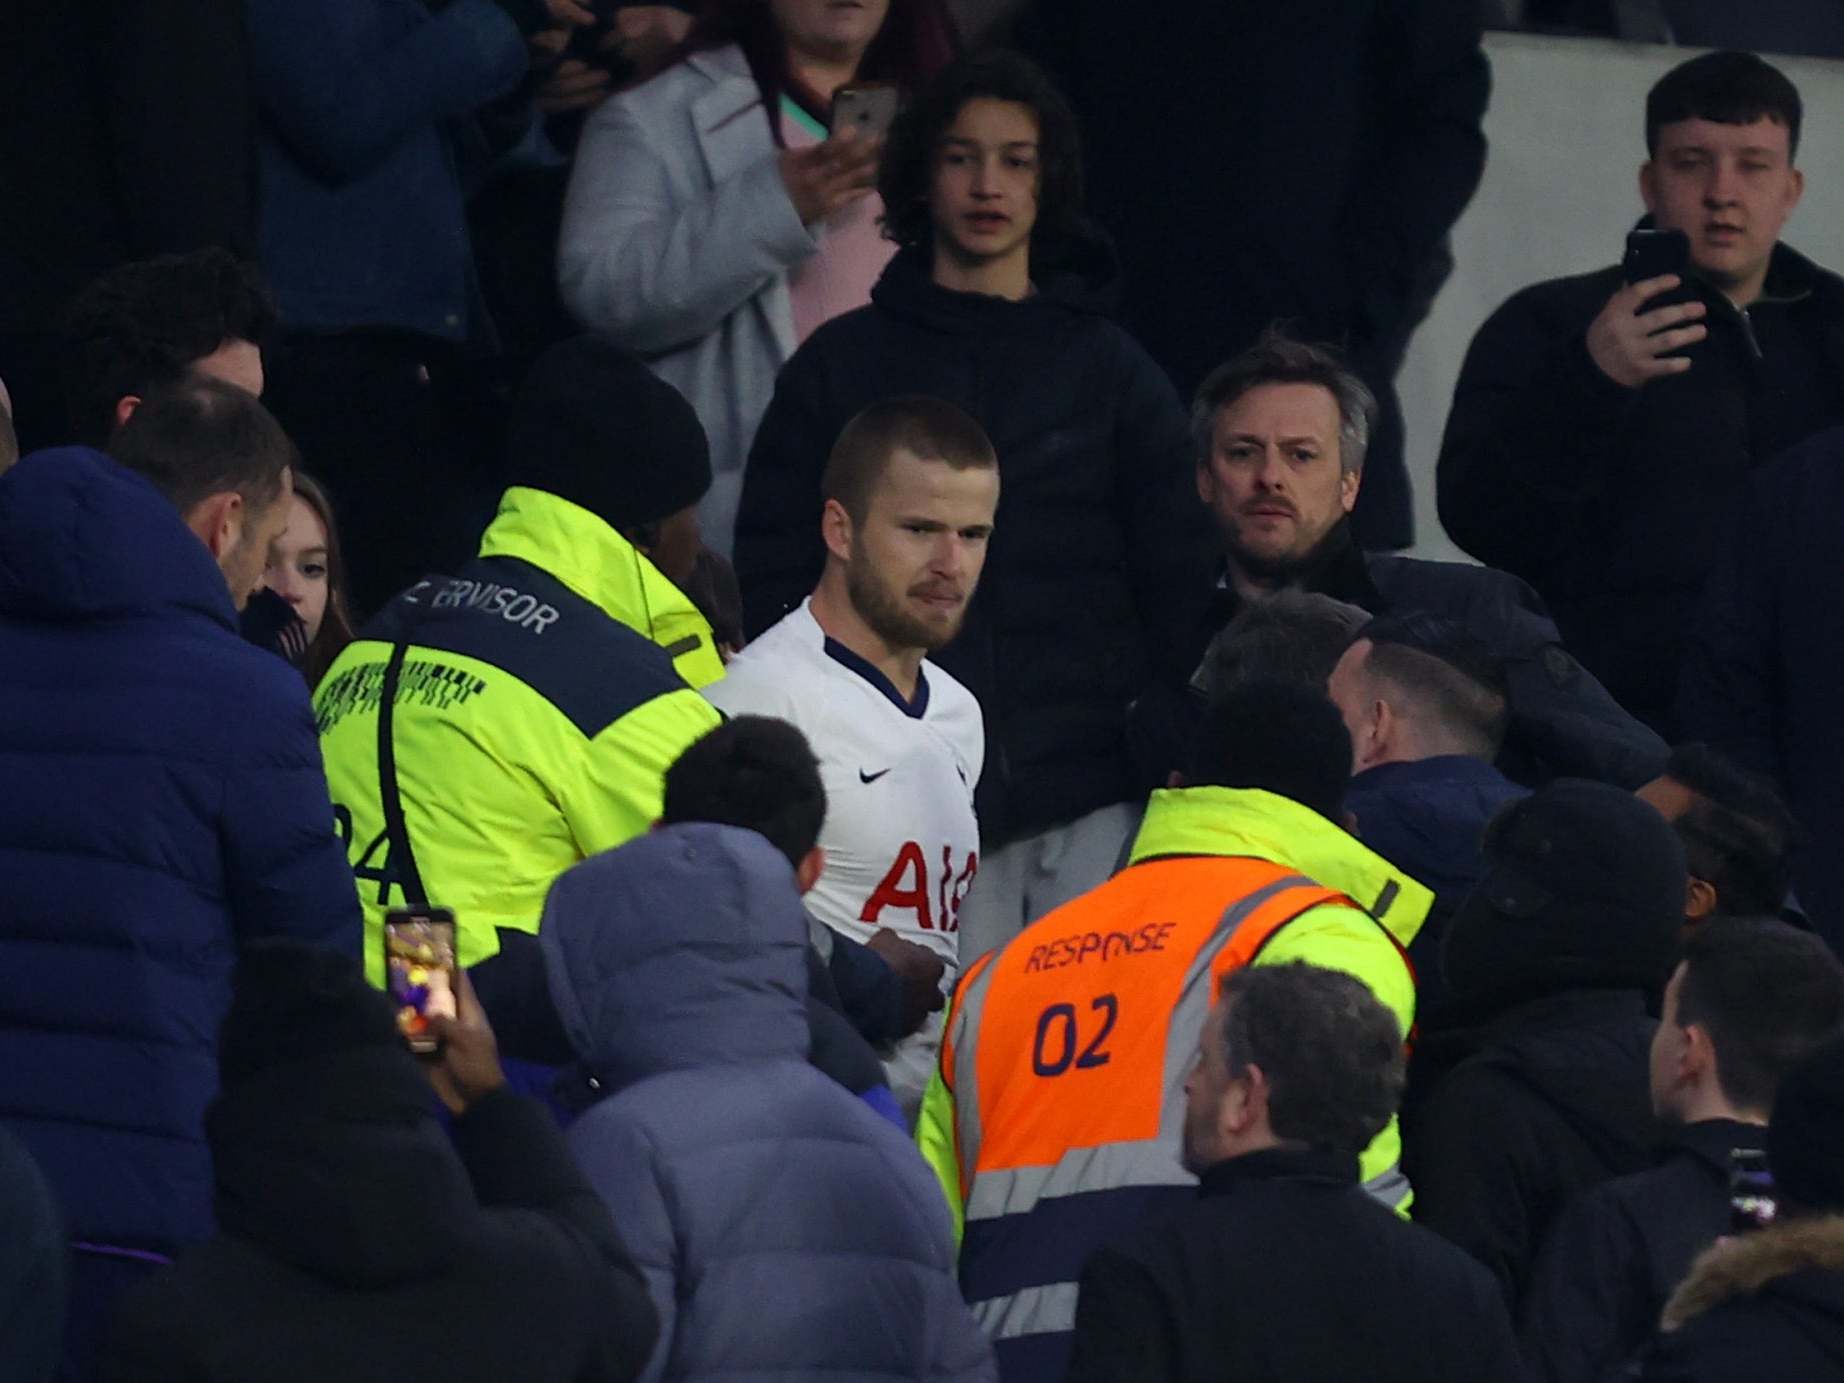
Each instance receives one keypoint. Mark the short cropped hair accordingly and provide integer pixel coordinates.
(754, 772)
(1332, 1054)
(1288, 740)
(929, 428)
(1727, 88)
(203, 437)
(145, 324)
(906, 174)
(1292, 636)
(1445, 675)
(1279, 359)
(1766, 993)
(1738, 835)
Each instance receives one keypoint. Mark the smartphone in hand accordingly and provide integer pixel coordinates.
(868, 108)
(419, 971)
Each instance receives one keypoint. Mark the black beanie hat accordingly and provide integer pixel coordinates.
(1805, 1141)
(1583, 889)
(292, 1003)
(596, 427)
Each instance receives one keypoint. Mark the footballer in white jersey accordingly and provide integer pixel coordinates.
(901, 840)
(911, 489)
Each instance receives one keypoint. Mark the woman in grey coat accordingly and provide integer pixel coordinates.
(710, 223)
(784, 1229)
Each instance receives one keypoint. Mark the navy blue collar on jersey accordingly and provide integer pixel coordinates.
(915, 709)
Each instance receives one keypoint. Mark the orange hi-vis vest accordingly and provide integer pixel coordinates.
(1066, 1054)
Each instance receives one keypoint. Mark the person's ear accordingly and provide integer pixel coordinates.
(838, 530)
(1648, 186)
(1348, 484)
(812, 865)
(1206, 483)
(125, 407)
(644, 537)
(1699, 899)
(1245, 1103)
(218, 522)
(1696, 1055)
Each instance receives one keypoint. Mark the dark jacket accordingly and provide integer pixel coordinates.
(126, 130)
(1428, 819)
(1344, 141)
(1610, 501)
(1762, 1306)
(784, 1229)
(363, 222)
(1099, 568)
(1285, 1270)
(1563, 722)
(1619, 1250)
(32, 1272)
(164, 802)
(1764, 670)
(1554, 1100)
(358, 1244)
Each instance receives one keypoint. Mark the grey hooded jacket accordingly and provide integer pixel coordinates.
(785, 1230)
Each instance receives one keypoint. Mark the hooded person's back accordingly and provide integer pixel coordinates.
(1559, 949)
(784, 1228)
(356, 1242)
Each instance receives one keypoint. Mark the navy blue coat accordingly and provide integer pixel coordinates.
(363, 222)
(161, 800)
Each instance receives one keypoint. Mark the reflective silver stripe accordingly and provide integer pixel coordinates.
(965, 1036)
(1148, 1162)
(1034, 1311)
(1390, 1186)
(1195, 998)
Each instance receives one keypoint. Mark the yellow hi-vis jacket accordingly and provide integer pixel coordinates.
(536, 708)
(1060, 1092)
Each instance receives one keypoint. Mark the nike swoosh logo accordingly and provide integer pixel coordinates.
(864, 777)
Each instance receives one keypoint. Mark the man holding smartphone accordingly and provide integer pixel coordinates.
(1599, 433)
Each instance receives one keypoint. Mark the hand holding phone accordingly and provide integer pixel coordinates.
(1639, 333)
(865, 111)
(467, 1066)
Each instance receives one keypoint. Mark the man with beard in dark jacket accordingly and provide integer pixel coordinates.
(1281, 435)
(1770, 1305)
(1098, 572)
(1564, 942)
(1301, 162)
(357, 1243)
(1599, 436)
(1283, 1268)
(1749, 1000)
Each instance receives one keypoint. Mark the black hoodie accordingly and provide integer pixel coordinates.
(1555, 1100)
(356, 1245)
(1099, 569)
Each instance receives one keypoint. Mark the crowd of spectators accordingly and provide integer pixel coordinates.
(869, 592)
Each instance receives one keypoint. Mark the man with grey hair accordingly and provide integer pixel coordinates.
(1285, 1268)
(1280, 434)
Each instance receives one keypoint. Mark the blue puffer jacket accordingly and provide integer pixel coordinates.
(785, 1230)
(161, 800)
(362, 217)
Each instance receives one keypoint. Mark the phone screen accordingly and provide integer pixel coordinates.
(1752, 1204)
(419, 968)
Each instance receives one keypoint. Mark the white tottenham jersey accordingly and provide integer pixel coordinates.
(902, 843)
